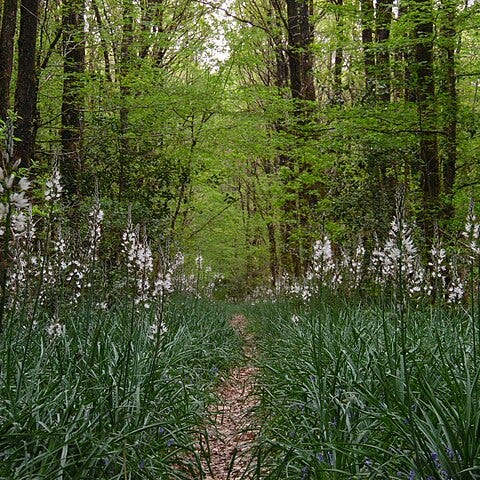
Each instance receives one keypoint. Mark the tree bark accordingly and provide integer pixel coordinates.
(367, 11)
(125, 65)
(338, 64)
(7, 36)
(426, 111)
(300, 39)
(72, 99)
(26, 91)
(384, 20)
(106, 57)
(449, 98)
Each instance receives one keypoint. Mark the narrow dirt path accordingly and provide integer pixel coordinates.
(233, 430)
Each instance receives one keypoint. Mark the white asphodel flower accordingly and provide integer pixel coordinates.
(19, 223)
(56, 329)
(19, 200)
(157, 329)
(9, 181)
(53, 187)
(3, 210)
(23, 184)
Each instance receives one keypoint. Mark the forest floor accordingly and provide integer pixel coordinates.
(233, 430)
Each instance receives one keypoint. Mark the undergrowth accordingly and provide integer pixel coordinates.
(366, 391)
(104, 398)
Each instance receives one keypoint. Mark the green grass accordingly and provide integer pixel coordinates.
(105, 401)
(356, 391)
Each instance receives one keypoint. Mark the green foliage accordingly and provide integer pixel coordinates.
(339, 401)
(104, 400)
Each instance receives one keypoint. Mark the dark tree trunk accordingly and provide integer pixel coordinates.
(449, 98)
(302, 86)
(72, 100)
(7, 36)
(425, 97)
(294, 48)
(300, 38)
(273, 256)
(384, 20)
(367, 42)
(337, 75)
(125, 65)
(408, 52)
(26, 91)
(307, 58)
(338, 65)
(106, 57)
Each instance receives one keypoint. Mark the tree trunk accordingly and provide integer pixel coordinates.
(425, 97)
(72, 100)
(106, 57)
(273, 256)
(449, 99)
(367, 42)
(125, 65)
(7, 35)
(300, 39)
(384, 20)
(26, 91)
(338, 65)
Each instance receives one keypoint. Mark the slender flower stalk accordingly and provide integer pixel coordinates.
(471, 234)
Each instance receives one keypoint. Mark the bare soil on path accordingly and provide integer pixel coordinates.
(233, 430)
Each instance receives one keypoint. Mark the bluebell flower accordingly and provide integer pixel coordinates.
(450, 453)
(436, 461)
(170, 442)
(305, 471)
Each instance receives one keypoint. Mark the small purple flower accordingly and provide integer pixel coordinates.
(305, 471)
(330, 458)
(450, 453)
(170, 442)
(320, 457)
(141, 465)
(411, 475)
(436, 461)
(161, 430)
(368, 463)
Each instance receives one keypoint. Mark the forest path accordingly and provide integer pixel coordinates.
(233, 430)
